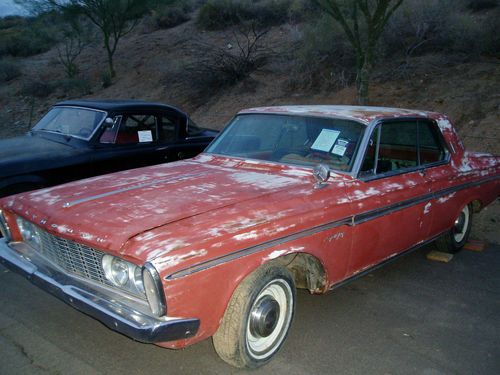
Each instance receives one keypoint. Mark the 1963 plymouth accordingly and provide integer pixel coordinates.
(284, 198)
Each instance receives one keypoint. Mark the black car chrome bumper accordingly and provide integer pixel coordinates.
(119, 316)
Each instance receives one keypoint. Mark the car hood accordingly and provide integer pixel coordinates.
(106, 211)
(17, 155)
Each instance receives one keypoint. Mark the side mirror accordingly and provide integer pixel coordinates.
(108, 123)
(321, 173)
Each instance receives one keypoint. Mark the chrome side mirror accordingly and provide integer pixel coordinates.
(321, 174)
(108, 122)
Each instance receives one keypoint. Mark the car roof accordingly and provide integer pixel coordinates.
(364, 114)
(117, 105)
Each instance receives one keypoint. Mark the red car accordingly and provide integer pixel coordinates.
(284, 198)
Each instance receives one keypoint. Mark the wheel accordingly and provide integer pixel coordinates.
(257, 319)
(455, 239)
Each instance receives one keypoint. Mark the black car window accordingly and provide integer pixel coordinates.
(167, 128)
(192, 129)
(109, 133)
(137, 128)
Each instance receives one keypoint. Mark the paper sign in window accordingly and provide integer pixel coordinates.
(326, 139)
(145, 136)
(339, 150)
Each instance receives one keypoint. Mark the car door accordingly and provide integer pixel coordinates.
(131, 141)
(390, 210)
(440, 176)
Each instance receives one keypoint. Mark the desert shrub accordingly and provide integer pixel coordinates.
(38, 88)
(478, 5)
(27, 38)
(418, 26)
(169, 17)
(106, 79)
(422, 26)
(324, 57)
(9, 70)
(220, 14)
(218, 67)
(9, 22)
(74, 86)
(302, 10)
(466, 34)
(170, 13)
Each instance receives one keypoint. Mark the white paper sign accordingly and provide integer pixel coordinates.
(145, 136)
(326, 139)
(339, 150)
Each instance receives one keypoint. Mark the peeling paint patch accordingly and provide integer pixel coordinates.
(263, 181)
(246, 236)
(446, 198)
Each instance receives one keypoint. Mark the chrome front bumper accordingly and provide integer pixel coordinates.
(118, 312)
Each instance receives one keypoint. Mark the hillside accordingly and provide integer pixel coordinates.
(158, 65)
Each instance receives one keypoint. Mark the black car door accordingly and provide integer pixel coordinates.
(131, 141)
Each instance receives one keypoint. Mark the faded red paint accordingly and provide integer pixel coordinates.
(181, 214)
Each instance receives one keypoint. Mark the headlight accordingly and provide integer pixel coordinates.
(4, 227)
(122, 274)
(154, 290)
(29, 232)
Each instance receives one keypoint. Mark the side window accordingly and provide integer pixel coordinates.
(396, 149)
(368, 167)
(137, 129)
(167, 128)
(192, 129)
(109, 134)
(431, 147)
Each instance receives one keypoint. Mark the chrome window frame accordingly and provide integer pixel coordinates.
(352, 172)
(373, 126)
(4, 227)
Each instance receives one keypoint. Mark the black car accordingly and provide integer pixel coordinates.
(78, 139)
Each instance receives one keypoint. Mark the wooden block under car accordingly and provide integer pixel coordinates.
(474, 245)
(439, 256)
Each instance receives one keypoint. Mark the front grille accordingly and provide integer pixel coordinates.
(73, 257)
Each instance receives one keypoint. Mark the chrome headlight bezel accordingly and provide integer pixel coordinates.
(29, 233)
(122, 274)
(4, 227)
(154, 290)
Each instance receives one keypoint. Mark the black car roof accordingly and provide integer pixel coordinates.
(118, 105)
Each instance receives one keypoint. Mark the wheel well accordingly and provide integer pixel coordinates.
(476, 206)
(307, 271)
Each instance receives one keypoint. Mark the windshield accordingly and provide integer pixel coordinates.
(293, 139)
(72, 121)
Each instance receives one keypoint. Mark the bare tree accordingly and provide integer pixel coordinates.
(363, 22)
(75, 38)
(114, 18)
(228, 64)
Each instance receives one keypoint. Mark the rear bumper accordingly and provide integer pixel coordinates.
(126, 318)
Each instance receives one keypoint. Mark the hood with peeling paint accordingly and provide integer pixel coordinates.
(106, 211)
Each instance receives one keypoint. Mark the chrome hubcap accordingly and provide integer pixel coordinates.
(269, 319)
(461, 225)
(264, 317)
